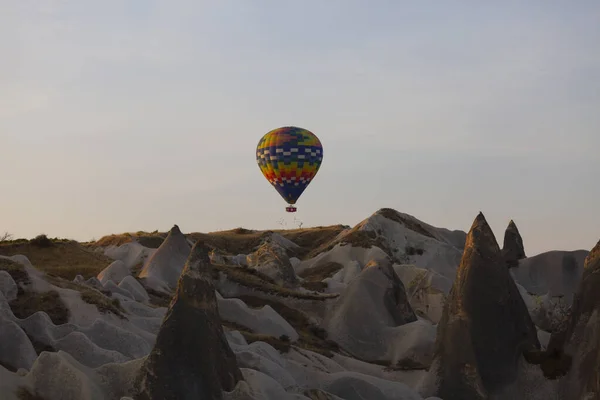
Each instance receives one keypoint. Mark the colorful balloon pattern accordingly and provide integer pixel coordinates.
(289, 157)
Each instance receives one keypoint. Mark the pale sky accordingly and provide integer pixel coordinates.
(136, 115)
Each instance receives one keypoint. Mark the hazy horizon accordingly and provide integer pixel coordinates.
(118, 117)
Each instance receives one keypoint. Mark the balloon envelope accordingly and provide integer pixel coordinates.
(289, 158)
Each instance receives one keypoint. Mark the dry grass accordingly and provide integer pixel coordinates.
(41, 241)
(317, 274)
(409, 223)
(313, 276)
(148, 239)
(417, 280)
(244, 241)
(408, 365)
(158, 299)
(103, 304)
(112, 240)
(66, 259)
(310, 239)
(29, 302)
(15, 270)
(315, 286)
(90, 295)
(232, 242)
(242, 231)
(278, 343)
(136, 269)
(313, 343)
(356, 237)
(363, 238)
(253, 279)
(249, 271)
(312, 337)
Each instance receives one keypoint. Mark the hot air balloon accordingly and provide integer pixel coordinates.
(289, 157)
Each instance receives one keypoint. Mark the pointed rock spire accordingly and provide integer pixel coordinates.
(513, 249)
(592, 261)
(163, 268)
(587, 298)
(485, 326)
(578, 345)
(481, 240)
(175, 230)
(191, 358)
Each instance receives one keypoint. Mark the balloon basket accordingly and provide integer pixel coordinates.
(290, 209)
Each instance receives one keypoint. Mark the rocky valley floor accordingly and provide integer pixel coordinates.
(391, 309)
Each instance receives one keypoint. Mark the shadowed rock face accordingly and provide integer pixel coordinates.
(513, 249)
(582, 336)
(485, 326)
(191, 358)
(394, 297)
(370, 318)
(556, 273)
(570, 271)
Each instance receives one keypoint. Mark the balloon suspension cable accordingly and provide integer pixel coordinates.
(283, 223)
(298, 222)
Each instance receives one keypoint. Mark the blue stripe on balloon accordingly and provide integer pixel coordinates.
(290, 192)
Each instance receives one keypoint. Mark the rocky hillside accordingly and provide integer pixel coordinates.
(390, 309)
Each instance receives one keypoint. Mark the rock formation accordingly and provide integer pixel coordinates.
(371, 319)
(191, 358)
(582, 336)
(163, 268)
(271, 259)
(426, 290)
(556, 273)
(114, 272)
(485, 326)
(513, 249)
(113, 337)
(410, 241)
